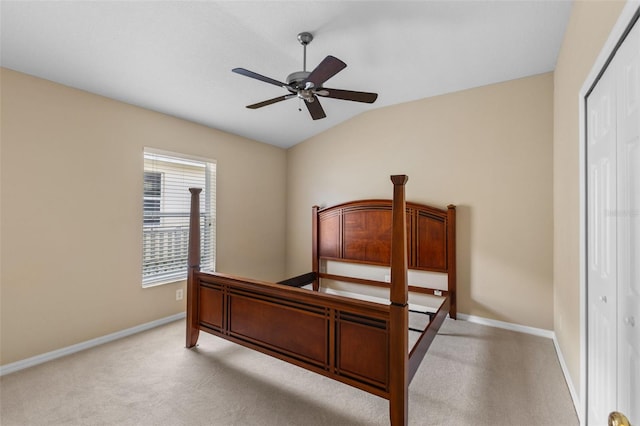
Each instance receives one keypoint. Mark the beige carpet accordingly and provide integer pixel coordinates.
(472, 375)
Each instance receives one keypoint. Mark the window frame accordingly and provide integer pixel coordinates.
(165, 241)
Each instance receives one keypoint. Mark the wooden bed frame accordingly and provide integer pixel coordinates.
(357, 342)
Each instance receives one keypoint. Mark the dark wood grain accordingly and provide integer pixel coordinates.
(315, 108)
(452, 261)
(359, 343)
(399, 309)
(193, 264)
(326, 69)
(363, 351)
(367, 235)
(315, 266)
(349, 95)
(288, 329)
(211, 307)
(360, 232)
(431, 234)
(330, 234)
(260, 77)
(271, 101)
(309, 329)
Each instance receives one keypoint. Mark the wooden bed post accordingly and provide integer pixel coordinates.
(451, 255)
(193, 263)
(314, 248)
(399, 309)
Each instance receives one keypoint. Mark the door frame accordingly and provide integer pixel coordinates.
(628, 16)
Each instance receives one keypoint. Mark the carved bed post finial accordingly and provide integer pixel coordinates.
(399, 309)
(193, 263)
(399, 292)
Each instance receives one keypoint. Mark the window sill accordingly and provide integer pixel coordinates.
(165, 282)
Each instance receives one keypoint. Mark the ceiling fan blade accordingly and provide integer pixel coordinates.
(257, 76)
(271, 101)
(315, 109)
(329, 67)
(348, 95)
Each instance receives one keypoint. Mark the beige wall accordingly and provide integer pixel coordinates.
(68, 160)
(71, 210)
(488, 150)
(588, 28)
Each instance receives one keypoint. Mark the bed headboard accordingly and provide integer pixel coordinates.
(360, 232)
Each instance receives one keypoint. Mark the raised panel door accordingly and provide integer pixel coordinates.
(601, 249)
(627, 66)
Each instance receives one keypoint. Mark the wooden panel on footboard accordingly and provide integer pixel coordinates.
(297, 331)
(211, 307)
(363, 349)
(344, 339)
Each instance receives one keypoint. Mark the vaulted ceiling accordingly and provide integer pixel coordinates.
(176, 57)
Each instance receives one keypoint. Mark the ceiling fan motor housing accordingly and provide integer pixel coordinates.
(296, 79)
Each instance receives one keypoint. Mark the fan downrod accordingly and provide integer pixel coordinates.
(304, 38)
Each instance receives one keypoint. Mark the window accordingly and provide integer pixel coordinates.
(165, 225)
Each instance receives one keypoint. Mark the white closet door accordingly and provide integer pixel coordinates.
(601, 250)
(627, 66)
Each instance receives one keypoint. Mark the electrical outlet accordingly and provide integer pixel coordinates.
(179, 294)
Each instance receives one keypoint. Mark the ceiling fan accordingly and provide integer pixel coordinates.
(308, 85)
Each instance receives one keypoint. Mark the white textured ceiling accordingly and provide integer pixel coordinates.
(176, 57)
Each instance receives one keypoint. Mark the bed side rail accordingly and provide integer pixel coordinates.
(300, 280)
(383, 284)
(422, 345)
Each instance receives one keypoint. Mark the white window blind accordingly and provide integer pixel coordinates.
(165, 224)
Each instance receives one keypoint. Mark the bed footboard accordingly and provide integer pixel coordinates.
(319, 332)
(357, 342)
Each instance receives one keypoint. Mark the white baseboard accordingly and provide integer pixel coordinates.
(536, 332)
(49, 356)
(567, 378)
(508, 326)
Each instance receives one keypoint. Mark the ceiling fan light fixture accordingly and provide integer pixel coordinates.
(307, 95)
